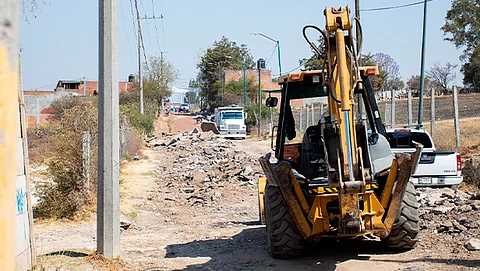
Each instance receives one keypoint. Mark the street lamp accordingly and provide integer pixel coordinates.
(278, 49)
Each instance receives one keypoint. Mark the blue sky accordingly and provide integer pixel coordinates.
(62, 41)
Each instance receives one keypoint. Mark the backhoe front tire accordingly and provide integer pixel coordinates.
(284, 239)
(405, 230)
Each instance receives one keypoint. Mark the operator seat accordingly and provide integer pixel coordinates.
(380, 155)
(313, 156)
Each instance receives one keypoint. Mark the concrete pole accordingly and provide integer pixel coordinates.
(409, 106)
(306, 113)
(108, 201)
(455, 116)
(301, 118)
(140, 67)
(313, 115)
(432, 111)
(9, 128)
(393, 108)
(387, 111)
(38, 111)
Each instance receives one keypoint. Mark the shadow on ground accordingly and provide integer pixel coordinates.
(67, 253)
(248, 251)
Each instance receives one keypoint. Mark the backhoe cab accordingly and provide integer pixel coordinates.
(336, 177)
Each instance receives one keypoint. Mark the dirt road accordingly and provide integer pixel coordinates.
(207, 221)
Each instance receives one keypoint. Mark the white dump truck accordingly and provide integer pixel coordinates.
(230, 121)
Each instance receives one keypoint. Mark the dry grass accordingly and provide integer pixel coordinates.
(444, 137)
(77, 261)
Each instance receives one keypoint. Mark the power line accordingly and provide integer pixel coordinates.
(283, 73)
(163, 29)
(124, 24)
(396, 7)
(133, 19)
(155, 23)
(273, 52)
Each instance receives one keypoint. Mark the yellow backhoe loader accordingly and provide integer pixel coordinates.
(337, 177)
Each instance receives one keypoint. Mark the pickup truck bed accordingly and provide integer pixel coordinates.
(436, 168)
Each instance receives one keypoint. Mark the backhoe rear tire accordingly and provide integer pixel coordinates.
(284, 239)
(405, 230)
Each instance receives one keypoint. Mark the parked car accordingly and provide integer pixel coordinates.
(436, 168)
(184, 108)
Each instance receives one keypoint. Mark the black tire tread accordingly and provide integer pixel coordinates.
(284, 239)
(405, 230)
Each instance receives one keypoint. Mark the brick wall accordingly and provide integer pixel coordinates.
(266, 77)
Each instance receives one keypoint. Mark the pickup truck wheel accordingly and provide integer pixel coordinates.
(405, 230)
(284, 239)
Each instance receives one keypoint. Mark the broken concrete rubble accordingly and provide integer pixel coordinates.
(203, 164)
(449, 217)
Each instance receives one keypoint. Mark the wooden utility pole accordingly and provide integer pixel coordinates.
(108, 199)
(409, 106)
(432, 111)
(9, 131)
(455, 116)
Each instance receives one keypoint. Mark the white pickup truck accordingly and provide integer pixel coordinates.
(436, 168)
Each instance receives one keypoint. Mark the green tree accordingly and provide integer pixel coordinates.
(159, 76)
(234, 91)
(223, 54)
(315, 62)
(462, 27)
(414, 84)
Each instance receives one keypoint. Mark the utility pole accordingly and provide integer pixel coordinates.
(9, 131)
(223, 86)
(422, 68)
(140, 68)
(357, 30)
(108, 198)
(244, 84)
(260, 66)
(161, 77)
